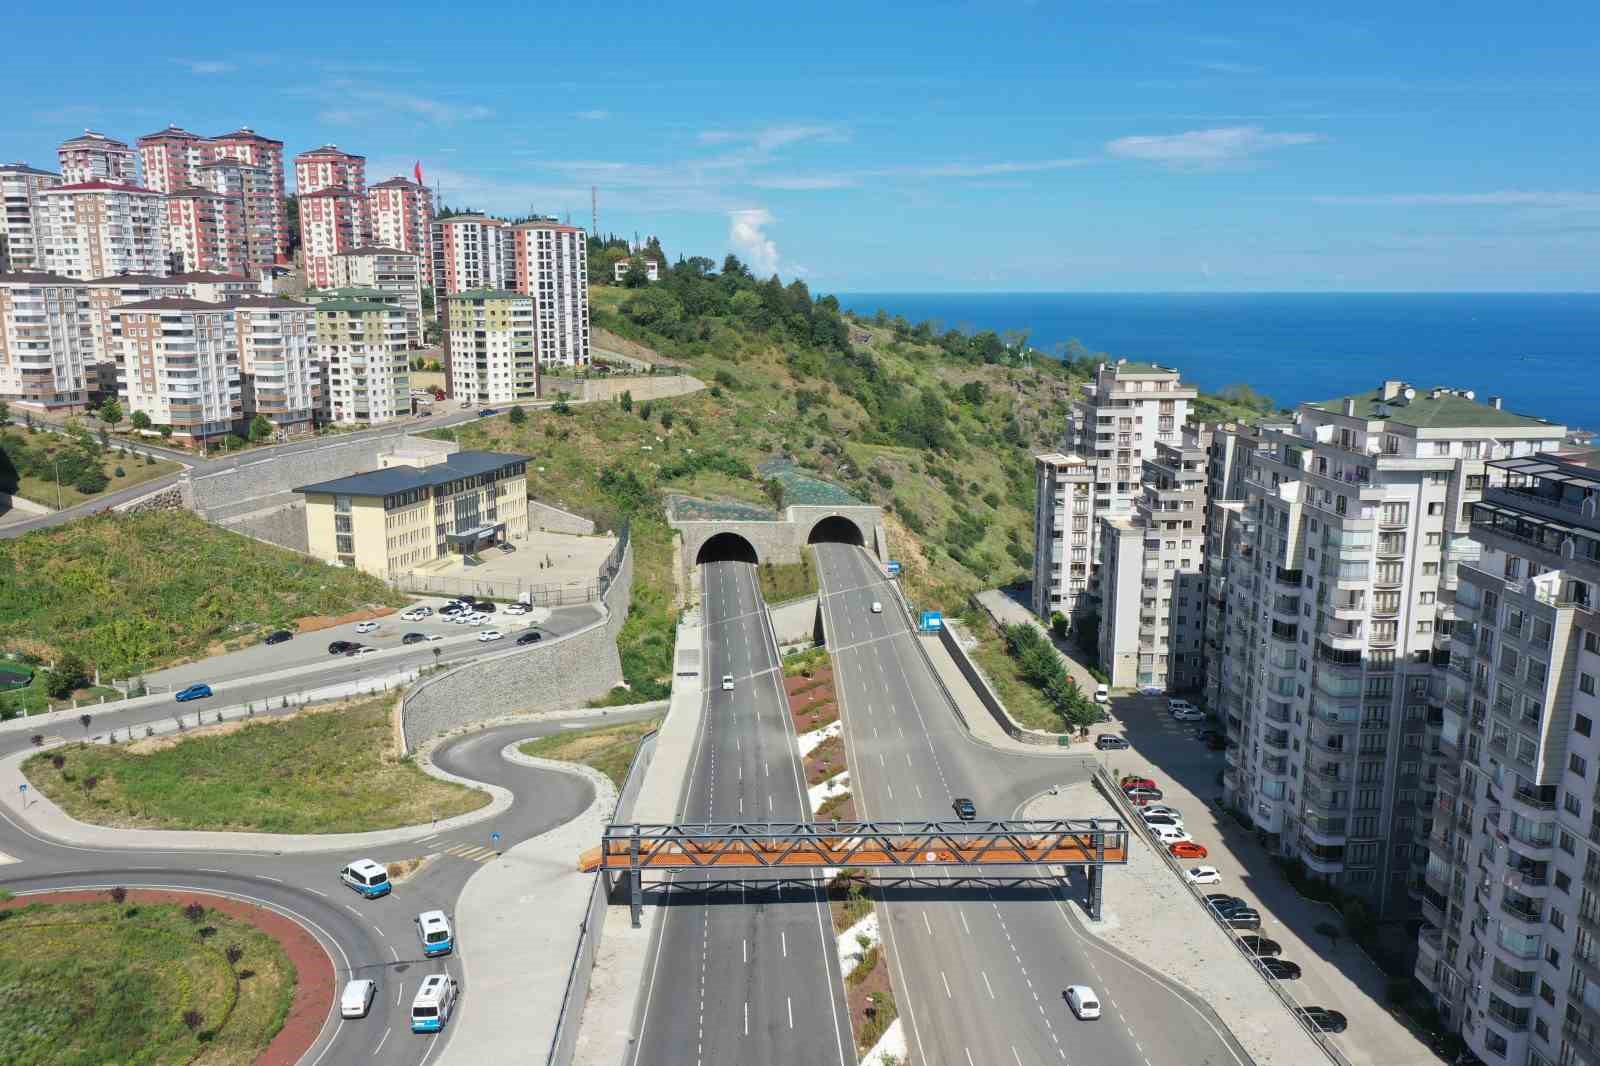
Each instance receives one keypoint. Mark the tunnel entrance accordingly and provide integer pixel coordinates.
(836, 529)
(726, 548)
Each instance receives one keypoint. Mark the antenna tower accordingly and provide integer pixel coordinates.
(594, 211)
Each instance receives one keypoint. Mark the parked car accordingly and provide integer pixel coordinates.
(356, 999)
(367, 627)
(1279, 969)
(193, 692)
(507, 547)
(1202, 875)
(489, 635)
(727, 682)
(339, 647)
(1175, 704)
(1205, 736)
(486, 412)
(413, 638)
(1153, 821)
(1321, 1018)
(1260, 945)
(1083, 1001)
(1102, 693)
(532, 636)
(877, 606)
(1161, 808)
(1244, 918)
(1191, 715)
(486, 607)
(1140, 796)
(1111, 742)
(1169, 834)
(417, 614)
(451, 610)
(278, 637)
(1134, 781)
(517, 608)
(1223, 903)
(365, 649)
(965, 809)
(1186, 849)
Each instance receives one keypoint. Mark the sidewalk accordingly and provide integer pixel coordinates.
(520, 917)
(1008, 611)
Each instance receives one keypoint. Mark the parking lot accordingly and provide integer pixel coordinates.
(1336, 974)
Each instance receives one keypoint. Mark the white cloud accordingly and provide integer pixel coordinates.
(359, 103)
(805, 182)
(1221, 67)
(593, 115)
(1200, 149)
(1582, 201)
(851, 179)
(767, 138)
(747, 234)
(207, 66)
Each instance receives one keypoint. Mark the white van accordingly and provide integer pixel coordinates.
(435, 1000)
(367, 878)
(433, 929)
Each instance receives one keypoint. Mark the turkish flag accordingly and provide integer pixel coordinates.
(417, 170)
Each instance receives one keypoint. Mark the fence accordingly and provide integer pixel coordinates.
(563, 1042)
(500, 589)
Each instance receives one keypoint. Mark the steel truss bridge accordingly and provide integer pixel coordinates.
(632, 849)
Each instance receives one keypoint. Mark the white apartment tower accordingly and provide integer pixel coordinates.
(1340, 602)
(47, 355)
(1062, 516)
(551, 264)
(97, 228)
(96, 157)
(387, 270)
(21, 225)
(471, 252)
(490, 341)
(279, 375)
(361, 346)
(180, 365)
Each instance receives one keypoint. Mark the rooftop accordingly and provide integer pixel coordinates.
(486, 294)
(375, 249)
(171, 303)
(101, 186)
(398, 183)
(245, 133)
(23, 168)
(351, 292)
(1436, 408)
(1126, 366)
(271, 302)
(359, 307)
(332, 190)
(37, 277)
(404, 478)
(171, 131)
(91, 137)
(327, 150)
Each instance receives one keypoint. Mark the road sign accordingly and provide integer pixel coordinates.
(892, 568)
(494, 840)
(931, 622)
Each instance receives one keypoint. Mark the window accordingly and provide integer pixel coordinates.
(1586, 686)
(1565, 842)
(1563, 882)
(1580, 723)
(1578, 764)
(1573, 805)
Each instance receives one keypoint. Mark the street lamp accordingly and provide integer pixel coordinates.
(57, 464)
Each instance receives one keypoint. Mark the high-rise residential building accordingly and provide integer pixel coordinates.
(1152, 614)
(46, 346)
(108, 293)
(1124, 412)
(253, 188)
(1227, 461)
(96, 157)
(330, 223)
(280, 376)
(180, 365)
(96, 228)
(171, 158)
(1062, 517)
(205, 230)
(490, 353)
(264, 203)
(1341, 603)
(329, 168)
(471, 252)
(1510, 896)
(400, 216)
(388, 270)
(550, 262)
(365, 369)
(21, 225)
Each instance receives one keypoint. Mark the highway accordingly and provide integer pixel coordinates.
(979, 969)
(746, 972)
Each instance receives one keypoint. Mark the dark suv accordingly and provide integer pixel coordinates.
(339, 647)
(964, 808)
(279, 637)
(1110, 742)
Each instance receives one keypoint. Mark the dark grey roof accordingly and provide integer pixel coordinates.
(171, 303)
(377, 249)
(270, 302)
(23, 168)
(404, 478)
(38, 277)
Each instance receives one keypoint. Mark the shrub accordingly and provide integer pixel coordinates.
(193, 1019)
(58, 760)
(118, 894)
(194, 912)
(91, 481)
(518, 416)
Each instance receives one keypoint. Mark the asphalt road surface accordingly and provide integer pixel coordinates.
(980, 968)
(743, 971)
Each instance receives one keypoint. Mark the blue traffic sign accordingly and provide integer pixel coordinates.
(893, 568)
(931, 622)
(494, 838)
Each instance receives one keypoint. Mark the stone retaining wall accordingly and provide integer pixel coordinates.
(170, 498)
(554, 519)
(281, 470)
(796, 621)
(987, 695)
(284, 526)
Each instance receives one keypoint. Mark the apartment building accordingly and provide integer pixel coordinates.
(96, 228)
(1511, 891)
(171, 157)
(389, 521)
(400, 216)
(205, 231)
(619, 269)
(361, 345)
(251, 187)
(329, 168)
(266, 204)
(551, 264)
(180, 365)
(241, 165)
(490, 356)
(1152, 616)
(331, 222)
(471, 252)
(1340, 604)
(1227, 461)
(96, 157)
(21, 225)
(279, 376)
(1063, 512)
(387, 270)
(47, 353)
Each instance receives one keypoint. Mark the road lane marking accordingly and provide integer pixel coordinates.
(395, 953)
(380, 1043)
(969, 1056)
(986, 983)
(925, 924)
(381, 932)
(784, 937)
(324, 895)
(399, 989)
(947, 995)
(964, 924)
(747, 1017)
(351, 909)
(1015, 1055)
(789, 1002)
(744, 950)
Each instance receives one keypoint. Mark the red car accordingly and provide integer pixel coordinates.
(1187, 849)
(1132, 781)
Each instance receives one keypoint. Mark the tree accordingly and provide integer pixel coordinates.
(625, 401)
(774, 491)
(111, 412)
(91, 481)
(518, 416)
(637, 276)
(5, 413)
(561, 406)
(260, 428)
(666, 418)
(140, 420)
(65, 676)
(166, 432)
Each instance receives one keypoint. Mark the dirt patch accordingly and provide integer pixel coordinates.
(811, 701)
(314, 977)
(840, 808)
(400, 869)
(800, 683)
(218, 729)
(313, 622)
(825, 760)
(871, 999)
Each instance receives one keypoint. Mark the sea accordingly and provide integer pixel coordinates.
(1540, 352)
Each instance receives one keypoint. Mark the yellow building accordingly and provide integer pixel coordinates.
(387, 522)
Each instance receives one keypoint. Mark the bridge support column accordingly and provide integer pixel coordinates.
(1097, 878)
(635, 878)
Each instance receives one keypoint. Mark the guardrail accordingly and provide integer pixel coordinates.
(563, 1042)
(1108, 786)
(899, 598)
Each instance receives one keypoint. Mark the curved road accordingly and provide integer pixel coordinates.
(365, 938)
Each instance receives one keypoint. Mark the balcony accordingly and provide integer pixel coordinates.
(1525, 910)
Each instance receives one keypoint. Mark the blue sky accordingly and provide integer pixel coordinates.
(915, 147)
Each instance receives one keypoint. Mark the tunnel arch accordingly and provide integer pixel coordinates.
(726, 548)
(836, 529)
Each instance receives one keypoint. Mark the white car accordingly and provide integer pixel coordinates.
(1170, 835)
(1190, 715)
(431, 637)
(366, 627)
(1202, 875)
(417, 614)
(368, 650)
(1175, 705)
(1084, 1003)
(517, 608)
(1167, 814)
(727, 682)
(1159, 808)
(1102, 693)
(489, 634)
(356, 999)
(877, 607)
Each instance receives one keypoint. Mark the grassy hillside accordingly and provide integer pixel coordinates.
(127, 593)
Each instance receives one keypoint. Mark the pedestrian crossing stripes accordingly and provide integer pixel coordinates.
(471, 853)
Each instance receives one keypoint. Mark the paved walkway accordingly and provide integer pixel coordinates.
(1007, 611)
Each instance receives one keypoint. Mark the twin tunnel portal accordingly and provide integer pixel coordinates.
(731, 851)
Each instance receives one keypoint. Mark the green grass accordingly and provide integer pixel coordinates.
(41, 485)
(1026, 703)
(35, 699)
(327, 771)
(87, 984)
(788, 581)
(129, 593)
(607, 748)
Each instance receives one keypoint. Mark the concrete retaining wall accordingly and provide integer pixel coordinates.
(554, 519)
(604, 389)
(987, 695)
(794, 621)
(562, 672)
(284, 526)
(281, 470)
(9, 503)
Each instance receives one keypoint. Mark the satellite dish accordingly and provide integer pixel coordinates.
(1411, 394)
(1470, 394)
